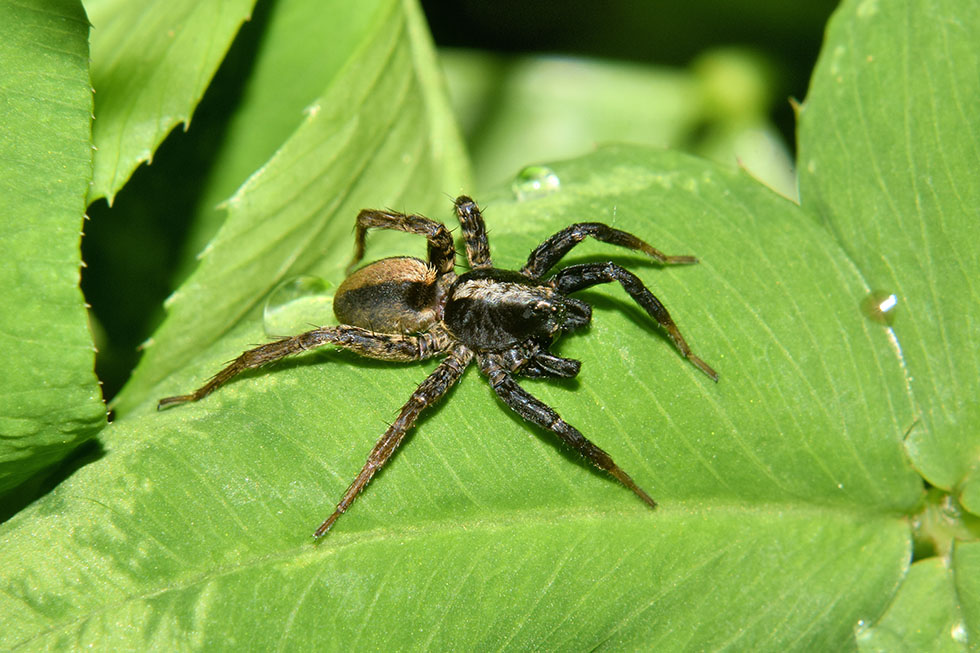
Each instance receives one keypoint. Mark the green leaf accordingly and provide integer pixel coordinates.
(889, 153)
(49, 396)
(151, 62)
(966, 570)
(923, 617)
(380, 134)
(295, 61)
(781, 487)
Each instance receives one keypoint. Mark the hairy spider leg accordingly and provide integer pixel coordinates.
(577, 277)
(533, 360)
(441, 250)
(546, 364)
(537, 412)
(474, 233)
(392, 347)
(429, 392)
(545, 255)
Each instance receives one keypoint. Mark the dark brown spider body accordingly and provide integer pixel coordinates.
(493, 310)
(405, 309)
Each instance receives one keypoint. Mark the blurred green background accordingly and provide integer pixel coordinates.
(786, 35)
(530, 81)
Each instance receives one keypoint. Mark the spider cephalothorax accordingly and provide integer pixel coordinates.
(406, 309)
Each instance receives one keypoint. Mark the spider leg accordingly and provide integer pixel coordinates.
(532, 359)
(474, 233)
(546, 364)
(383, 346)
(442, 252)
(537, 412)
(429, 392)
(552, 250)
(577, 277)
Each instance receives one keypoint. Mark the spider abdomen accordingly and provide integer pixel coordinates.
(393, 295)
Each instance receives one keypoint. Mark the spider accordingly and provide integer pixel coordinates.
(407, 309)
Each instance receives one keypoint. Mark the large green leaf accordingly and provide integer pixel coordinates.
(49, 396)
(151, 62)
(781, 487)
(889, 153)
(379, 134)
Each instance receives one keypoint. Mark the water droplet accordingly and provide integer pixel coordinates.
(297, 305)
(312, 110)
(878, 638)
(879, 306)
(862, 632)
(958, 633)
(535, 181)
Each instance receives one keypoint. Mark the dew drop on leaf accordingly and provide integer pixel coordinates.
(297, 305)
(535, 181)
(958, 633)
(879, 306)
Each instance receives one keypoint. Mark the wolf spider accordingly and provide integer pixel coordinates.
(406, 309)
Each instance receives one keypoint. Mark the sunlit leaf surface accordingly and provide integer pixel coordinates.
(966, 570)
(379, 135)
(889, 153)
(49, 396)
(925, 615)
(781, 487)
(151, 63)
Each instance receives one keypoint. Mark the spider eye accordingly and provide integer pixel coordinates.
(538, 310)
